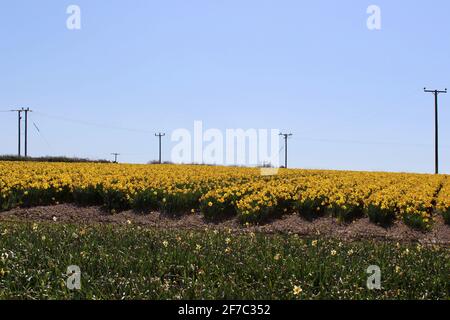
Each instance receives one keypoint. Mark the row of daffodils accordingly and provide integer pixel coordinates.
(224, 191)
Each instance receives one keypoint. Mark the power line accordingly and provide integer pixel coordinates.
(92, 124)
(327, 140)
(286, 136)
(43, 137)
(160, 135)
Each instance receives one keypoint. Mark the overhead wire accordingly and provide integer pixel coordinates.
(43, 137)
(92, 124)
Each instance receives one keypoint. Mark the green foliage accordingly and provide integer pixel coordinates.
(311, 209)
(416, 221)
(380, 216)
(347, 213)
(146, 200)
(115, 200)
(446, 215)
(220, 210)
(178, 202)
(130, 262)
(91, 195)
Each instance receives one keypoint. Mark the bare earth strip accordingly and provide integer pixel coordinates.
(326, 226)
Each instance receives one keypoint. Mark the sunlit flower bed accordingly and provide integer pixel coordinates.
(229, 191)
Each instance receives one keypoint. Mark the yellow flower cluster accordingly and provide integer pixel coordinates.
(346, 195)
(219, 191)
(443, 200)
(127, 178)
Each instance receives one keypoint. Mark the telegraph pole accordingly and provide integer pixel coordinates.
(26, 129)
(19, 126)
(436, 130)
(285, 136)
(19, 118)
(115, 156)
(159, 135)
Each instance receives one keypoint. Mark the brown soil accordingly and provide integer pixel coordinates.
(326, 226)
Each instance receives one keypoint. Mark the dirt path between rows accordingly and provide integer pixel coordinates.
(326, 226)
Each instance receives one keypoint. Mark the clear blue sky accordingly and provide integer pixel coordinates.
(352, 97)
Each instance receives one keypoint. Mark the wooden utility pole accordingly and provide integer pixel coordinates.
(436, 129)
(115, 156)
(285, 136)
(160, 135)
